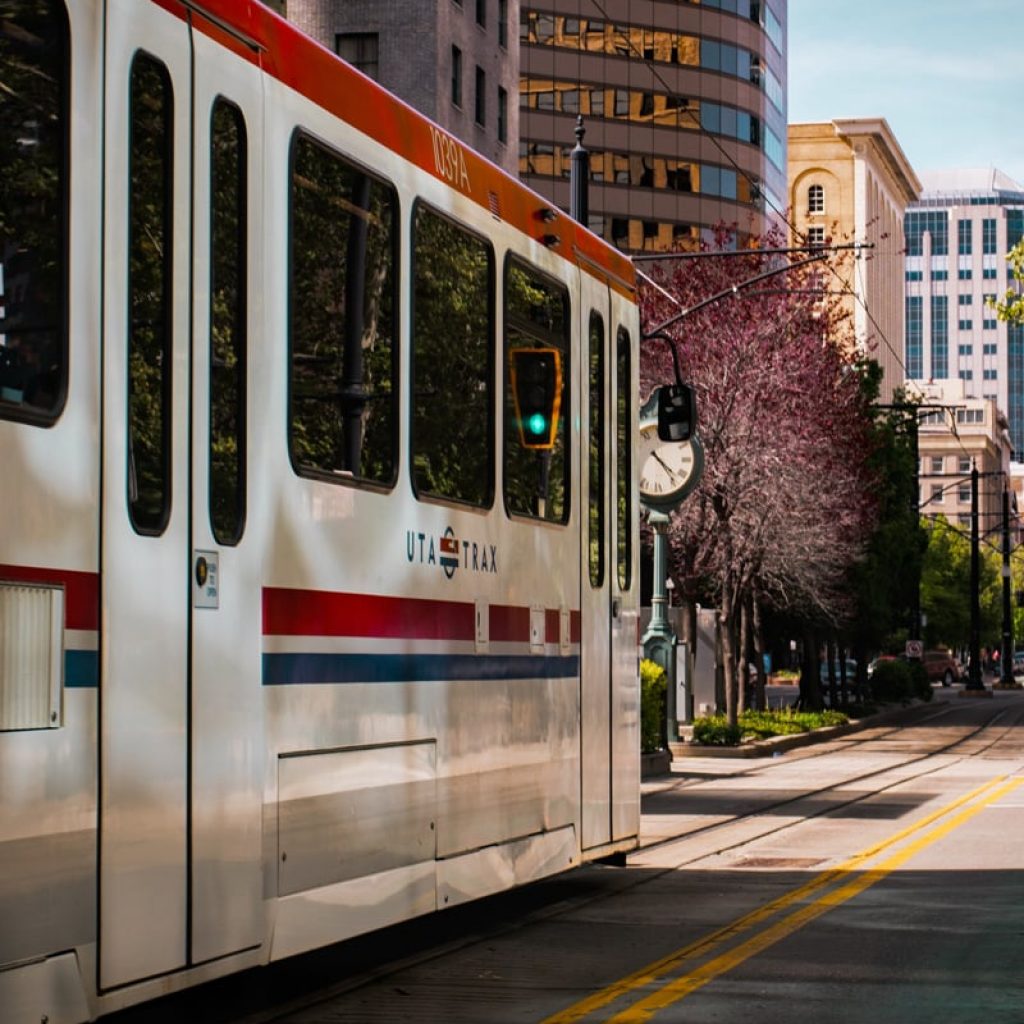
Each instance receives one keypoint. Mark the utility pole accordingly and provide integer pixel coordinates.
(974, 681)
(579, 178)
(1006, 658)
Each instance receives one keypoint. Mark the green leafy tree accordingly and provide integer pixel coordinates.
(1011, 309)
(946, 587)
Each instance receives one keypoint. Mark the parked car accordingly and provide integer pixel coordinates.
(1018, 663)
(941, 667)
(851, 672)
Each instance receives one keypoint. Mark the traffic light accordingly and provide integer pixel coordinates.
(537, 391)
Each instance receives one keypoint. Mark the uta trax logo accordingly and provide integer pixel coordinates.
(450, 553)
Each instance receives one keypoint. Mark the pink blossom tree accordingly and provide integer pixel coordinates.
(784, 505)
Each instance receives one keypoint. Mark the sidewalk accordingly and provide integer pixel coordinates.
(675, 802)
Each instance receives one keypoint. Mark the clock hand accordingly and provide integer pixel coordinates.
(664, 465)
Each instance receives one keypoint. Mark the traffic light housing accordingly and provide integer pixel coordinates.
(536, 375)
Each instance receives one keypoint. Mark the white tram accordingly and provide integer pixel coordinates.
(301, 632)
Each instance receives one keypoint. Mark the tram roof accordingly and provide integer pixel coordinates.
(257, 34)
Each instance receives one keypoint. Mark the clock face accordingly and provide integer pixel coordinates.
(670, 469)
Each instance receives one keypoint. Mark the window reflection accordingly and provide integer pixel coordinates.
(33, 276)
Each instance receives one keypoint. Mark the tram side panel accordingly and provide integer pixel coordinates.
(49, 407)
(420, 681)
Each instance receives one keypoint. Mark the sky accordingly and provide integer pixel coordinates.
(948, 75)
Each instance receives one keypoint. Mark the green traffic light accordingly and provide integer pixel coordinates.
(537, 424)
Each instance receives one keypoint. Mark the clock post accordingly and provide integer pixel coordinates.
(659, 639)
(671, 463)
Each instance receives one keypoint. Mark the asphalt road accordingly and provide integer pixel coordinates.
(876, 878)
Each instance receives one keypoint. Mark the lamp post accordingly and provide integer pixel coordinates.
(659, 640)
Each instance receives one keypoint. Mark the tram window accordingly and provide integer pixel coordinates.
(34, 66)
(228, 161)
(149, 296)
(536, 316)
(452, 439)
(597, 478)
(623, 437)
(342, 350)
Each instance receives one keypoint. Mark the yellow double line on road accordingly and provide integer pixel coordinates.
(680, 987)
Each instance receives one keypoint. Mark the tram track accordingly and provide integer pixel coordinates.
(600, 883)
(1016, 713)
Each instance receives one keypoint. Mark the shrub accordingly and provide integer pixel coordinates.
(920, 687)
(892, 682)
(716, 731)
(652, 706)
(761, 724)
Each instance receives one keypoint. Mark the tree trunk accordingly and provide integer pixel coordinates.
(759, 652)
(810, 685)
(745, 694)
(727, 628)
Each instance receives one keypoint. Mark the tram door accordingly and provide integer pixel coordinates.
(597, 566)
(157, 717)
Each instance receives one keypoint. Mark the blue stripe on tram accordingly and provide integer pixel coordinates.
(81, 669)
(283, 669)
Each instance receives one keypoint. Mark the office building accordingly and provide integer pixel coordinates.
(952, 333)
(684, 106)
(456, 61)
(956, 433)
(850, 182)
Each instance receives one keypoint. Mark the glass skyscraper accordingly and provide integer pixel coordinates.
(684, 106)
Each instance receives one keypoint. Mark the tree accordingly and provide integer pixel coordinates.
(1011, 309)
(785, 502)
(946, 587)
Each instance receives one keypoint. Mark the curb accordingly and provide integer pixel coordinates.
(779, 744)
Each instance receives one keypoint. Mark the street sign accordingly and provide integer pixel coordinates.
(915, 648)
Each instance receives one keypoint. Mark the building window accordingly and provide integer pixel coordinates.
(481, 12)
(816, 199)
(502, 115)
(503, 23)
(456, 76)
(815, 236)
(963, 495)
(964, 464)
(965, 350)
(481, 97)
(970, 416)
(360, 49)
(988, 235)
(989, 374)
(937, 464)
(915, 337)
(965, 325)
(963, 228)
(966, 374)
(936, 497)
(940, 335)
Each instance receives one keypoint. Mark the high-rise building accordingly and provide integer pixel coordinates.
(951, 332)
(849, 182)
(684, 107)
(456, 61)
